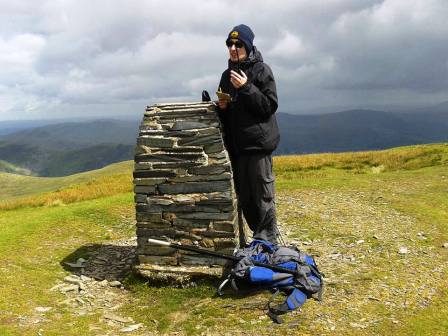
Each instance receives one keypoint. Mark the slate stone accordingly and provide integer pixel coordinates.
(143, 166)
(159, 225)
(156, 250)
(171, 233)
(189, 223)
(216, 202)
(161, 142)
(209, 131)
(218, 162)
(157, 260)
(175, 114)
(199, 140)
(206, 215)
(219, 234)
(140, 198)
(214, 147)
(223, 226)
(173, 165)
(186, 259)
(209, 170)
(146, 189)
(166, 133)
(147, 217)
(187, 125)
(171, 157)
(154, 173)
(180, 105)
(148, 181)
(194, 187)
(182, 149)
(200, 178)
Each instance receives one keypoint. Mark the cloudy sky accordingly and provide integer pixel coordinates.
(63, 58)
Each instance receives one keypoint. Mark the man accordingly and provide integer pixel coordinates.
(250, 130)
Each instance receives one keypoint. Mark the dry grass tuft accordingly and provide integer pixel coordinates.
(400, 158)
(98, 187)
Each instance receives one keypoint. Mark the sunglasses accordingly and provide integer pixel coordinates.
(237, 44)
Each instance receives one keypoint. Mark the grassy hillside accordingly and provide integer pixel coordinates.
(39, 161)
(77, 135)
(18, 189)
(354, 211)
(67, 148)
(360, 130)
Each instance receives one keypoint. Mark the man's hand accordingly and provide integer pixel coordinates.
(238, 79)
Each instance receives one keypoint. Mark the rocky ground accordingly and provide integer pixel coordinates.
(95, 288)
(375, 258)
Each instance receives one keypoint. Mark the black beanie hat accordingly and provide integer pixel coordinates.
(244, 34)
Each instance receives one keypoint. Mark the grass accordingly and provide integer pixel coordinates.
(332, 201)
(400, 158)
(33, 242)
(19, 186)
(113, 179)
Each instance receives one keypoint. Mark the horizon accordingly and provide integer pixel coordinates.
(316, 112)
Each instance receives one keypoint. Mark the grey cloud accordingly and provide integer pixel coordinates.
(109, 55)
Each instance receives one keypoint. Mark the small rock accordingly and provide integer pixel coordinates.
(71, 279)
(115, 283)
(445, 245)
(43, 309)
(103, 283)
(132, 327)
(117, 318)
(360, 241)
(80, 301)
(358, 325)
(85, 278)
(80, 263)
(69, 288)
(57, 287)
(403, 250)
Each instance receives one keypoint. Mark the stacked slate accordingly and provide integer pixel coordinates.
(183, 185)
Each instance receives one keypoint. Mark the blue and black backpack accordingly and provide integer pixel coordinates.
(245, 277)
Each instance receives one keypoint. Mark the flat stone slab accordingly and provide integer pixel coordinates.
(178, 276)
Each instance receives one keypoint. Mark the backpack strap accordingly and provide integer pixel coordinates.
(274, 312)
(295, 300)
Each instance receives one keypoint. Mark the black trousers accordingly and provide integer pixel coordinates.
(254, 184)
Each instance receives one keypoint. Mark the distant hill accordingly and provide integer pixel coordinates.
(68, 148)
(71, 147)
(356, 130)
(77, 135)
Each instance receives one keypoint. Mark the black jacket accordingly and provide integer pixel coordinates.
(249, 121)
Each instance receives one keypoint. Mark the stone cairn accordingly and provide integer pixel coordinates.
(183, 186)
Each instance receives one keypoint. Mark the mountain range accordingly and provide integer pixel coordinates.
(64, 148)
